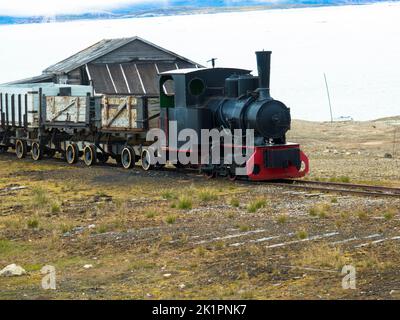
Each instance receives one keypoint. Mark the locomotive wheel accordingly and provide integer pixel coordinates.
(90, 155)
(72, 153)
(103, 158)
(36, 151)
(21, 149)
(146, 160)
(128, 158)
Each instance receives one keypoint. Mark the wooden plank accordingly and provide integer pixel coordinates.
(73, 103)
(119, 110)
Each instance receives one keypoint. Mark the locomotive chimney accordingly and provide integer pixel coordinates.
(264, 72)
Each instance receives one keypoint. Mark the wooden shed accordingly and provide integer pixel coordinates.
(126, 66)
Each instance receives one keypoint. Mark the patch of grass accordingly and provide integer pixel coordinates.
(334, 200)
(33, 267)
(234, 202)
(323, 255)
(219, 245)
(342, 179)
(170, 219)
(362, 215)
(207, 195)
(150, 214)
(302, 234)
(32, 223)
(39, 197)
(282, 219)
(388, 215)
(5, 247)
(66, 228)
(185, 203)
(320, 210)
(55, 208)
(243, 227)
(255, 205)
(168, 195)
(313, 212)
(102, 229)
(12, 248)
(200, 251)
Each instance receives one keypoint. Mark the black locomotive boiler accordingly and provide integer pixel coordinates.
(229, 99)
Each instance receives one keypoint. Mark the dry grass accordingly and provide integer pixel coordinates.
(323, 256)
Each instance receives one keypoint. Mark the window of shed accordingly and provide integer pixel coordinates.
(197, 87)
(169, 88)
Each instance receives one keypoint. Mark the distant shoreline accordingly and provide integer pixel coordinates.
(167, 12)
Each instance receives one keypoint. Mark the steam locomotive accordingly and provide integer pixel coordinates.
(230, 99)
(45, 119)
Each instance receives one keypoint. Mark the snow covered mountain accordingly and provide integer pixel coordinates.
(173, 7)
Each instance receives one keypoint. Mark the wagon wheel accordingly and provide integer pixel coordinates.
(89, 155)
(72, 153)
(128, 158)
(210, 175)
(102, 157)
(36, 151)
(21, 149)
(232, 173)
(146, 160)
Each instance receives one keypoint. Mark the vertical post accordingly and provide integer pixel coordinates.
(6, 98)
(13, 110)
(129, 109)
(87, 111)
(1, 110)
(394, 142)
(19, 111)
(40, 107)
(26, 112)
(329, 97)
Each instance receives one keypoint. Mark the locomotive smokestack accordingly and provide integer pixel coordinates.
(264, 72)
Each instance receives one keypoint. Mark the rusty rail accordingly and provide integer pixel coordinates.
(341, 188)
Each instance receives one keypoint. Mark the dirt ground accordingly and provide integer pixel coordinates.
(116, 234)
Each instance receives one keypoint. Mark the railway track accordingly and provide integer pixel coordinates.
(340, 188)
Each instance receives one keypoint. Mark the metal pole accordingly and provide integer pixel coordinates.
(329, 97)
(394, 142)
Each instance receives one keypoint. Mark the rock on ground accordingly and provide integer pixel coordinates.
(12, 270)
